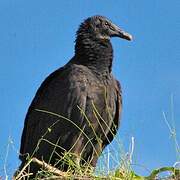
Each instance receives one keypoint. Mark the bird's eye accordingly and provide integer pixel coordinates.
(106, 23)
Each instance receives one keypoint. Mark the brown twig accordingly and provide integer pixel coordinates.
(57, 173)
(49, 168)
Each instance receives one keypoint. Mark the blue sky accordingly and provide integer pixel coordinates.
(37, 37)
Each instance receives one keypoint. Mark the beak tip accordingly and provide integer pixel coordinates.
(125, 35)
(130, 37)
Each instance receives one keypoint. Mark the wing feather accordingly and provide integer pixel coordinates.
(60, 93)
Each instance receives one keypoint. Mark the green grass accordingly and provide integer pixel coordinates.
(123, 172)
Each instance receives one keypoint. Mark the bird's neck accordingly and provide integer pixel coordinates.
(96, 54)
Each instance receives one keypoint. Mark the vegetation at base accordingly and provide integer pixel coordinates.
(123, 172)
(48, 172)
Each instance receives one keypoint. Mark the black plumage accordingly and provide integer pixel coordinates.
(85, 92)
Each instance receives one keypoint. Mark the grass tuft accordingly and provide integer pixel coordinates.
(124, 171)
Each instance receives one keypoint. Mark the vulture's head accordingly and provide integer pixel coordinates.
(100, 27)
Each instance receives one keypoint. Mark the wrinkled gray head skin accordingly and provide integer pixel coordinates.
(102, 28)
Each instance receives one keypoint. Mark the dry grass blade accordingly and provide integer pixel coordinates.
(22, 170)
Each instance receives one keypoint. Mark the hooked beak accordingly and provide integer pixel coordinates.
(122, 34)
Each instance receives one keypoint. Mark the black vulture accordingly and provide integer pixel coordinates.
(76, 109)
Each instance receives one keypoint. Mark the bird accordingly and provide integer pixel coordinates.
(76, 110)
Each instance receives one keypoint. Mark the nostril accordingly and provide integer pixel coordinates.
(112, 28)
